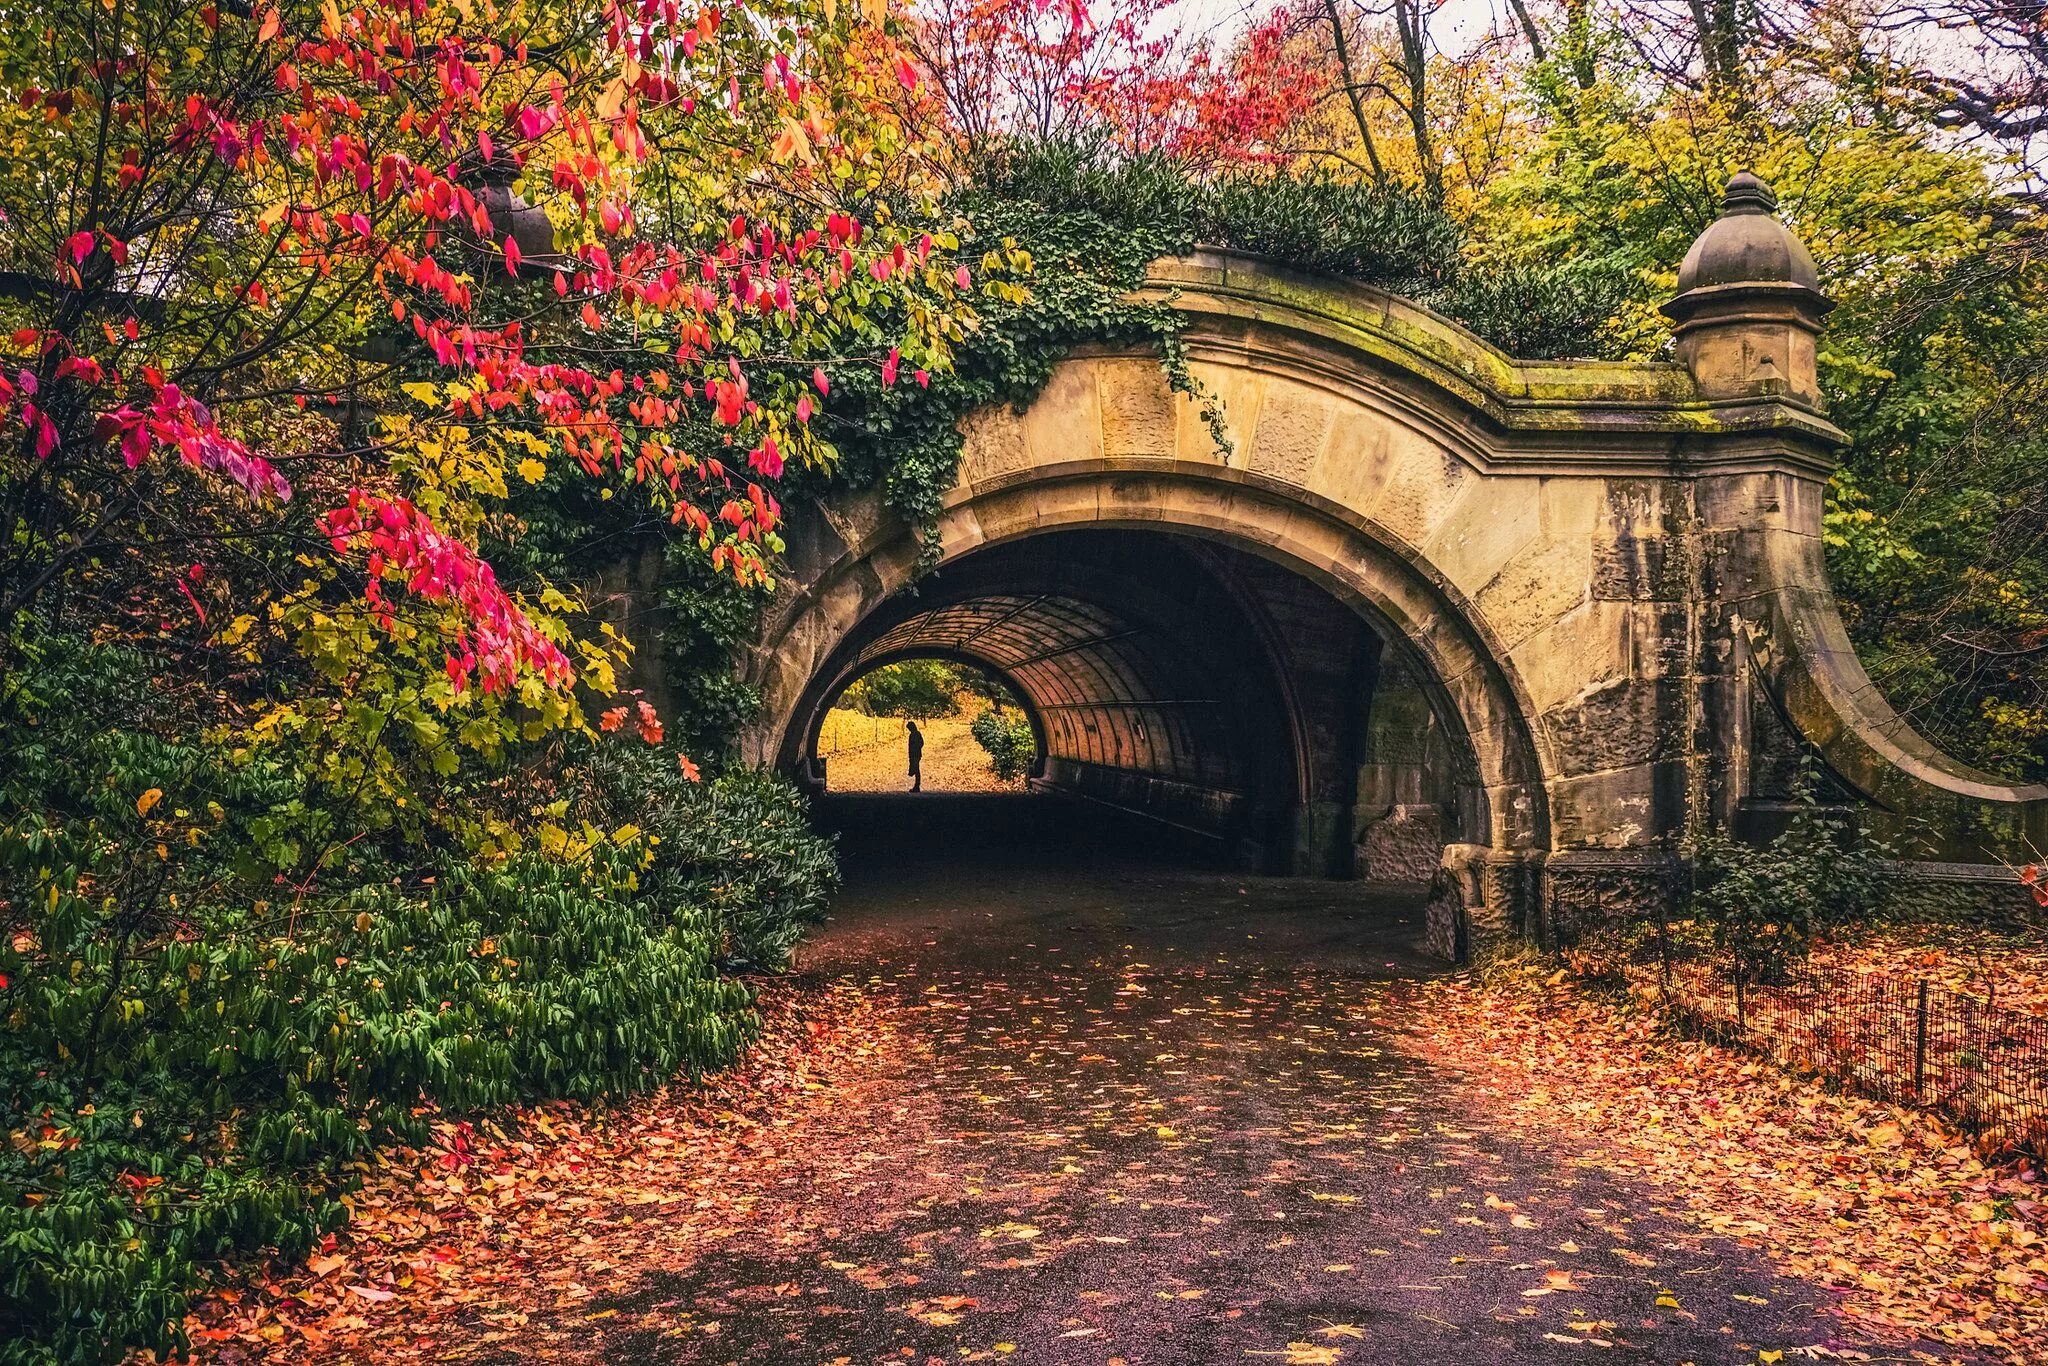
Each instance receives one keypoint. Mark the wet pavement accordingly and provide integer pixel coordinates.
(1152, 1114)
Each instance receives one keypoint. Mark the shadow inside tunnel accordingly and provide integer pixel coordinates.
(983, 881)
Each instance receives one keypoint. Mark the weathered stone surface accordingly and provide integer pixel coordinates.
(1636, 722)
(1420, 488)
(1138, 417)
(1293, 426)
(1588, 649)
(1586, 890)
(1239, 393)
(1639, 569)
(1402, 845)
(1542, 583)
(1595, 571)
(992, 444)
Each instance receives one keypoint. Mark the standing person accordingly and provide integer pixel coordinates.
(916, 737)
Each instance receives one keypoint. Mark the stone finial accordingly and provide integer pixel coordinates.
(1749, 304)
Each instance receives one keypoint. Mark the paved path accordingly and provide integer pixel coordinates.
(1159, 1116)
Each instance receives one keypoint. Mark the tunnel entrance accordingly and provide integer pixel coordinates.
(1188, 686)
(975, 733)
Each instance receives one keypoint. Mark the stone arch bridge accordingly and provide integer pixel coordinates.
(1543, 613)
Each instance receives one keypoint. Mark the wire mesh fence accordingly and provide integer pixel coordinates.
(1899, 1038)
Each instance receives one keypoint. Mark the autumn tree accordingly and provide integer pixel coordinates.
(1127, 72)
(325, 328)
(297, 297)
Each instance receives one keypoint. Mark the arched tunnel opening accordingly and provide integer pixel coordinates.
(1188, 694)
(976, 731)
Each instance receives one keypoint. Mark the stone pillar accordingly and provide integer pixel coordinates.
(1747, 317)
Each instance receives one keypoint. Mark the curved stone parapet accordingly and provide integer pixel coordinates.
(1610, 574)
(1771, 586)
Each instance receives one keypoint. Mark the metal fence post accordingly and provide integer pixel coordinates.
(1664, 942)
(1920, 1044)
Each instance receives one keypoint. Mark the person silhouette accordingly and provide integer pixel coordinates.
(916, 738)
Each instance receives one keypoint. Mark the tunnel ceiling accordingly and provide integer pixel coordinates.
(1145, 653)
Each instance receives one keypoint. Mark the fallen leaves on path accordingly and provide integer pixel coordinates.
(543, 1208)
(1889, 1209)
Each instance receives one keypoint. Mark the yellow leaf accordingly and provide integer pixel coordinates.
(532, 471)
(147, 800)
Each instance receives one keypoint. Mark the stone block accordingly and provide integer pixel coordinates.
(1487, 527)
(1759, 499)
(1403, 845)
(1620, 808)
(1585, 890)
(1587, 649)
(1637, 722)
(1641, 507)
(992, 445)
(1358, 456)
(1573, 505)
(1479, 897)
(1634, 568)
(1240, 394)
(1422, 483)
(1543, 582)
(1512, 811)
(1137, 405)
(1294, 426)
(1065, 422)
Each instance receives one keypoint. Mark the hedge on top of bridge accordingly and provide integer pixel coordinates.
(1091, 219)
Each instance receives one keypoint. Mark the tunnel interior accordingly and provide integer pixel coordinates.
(1194, 685)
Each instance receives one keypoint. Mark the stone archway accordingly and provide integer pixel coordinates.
(1610, 575)
(1203, 685)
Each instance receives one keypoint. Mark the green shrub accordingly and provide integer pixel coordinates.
(212, 1000)
(1764, 905)
(1541, 312)
(1394, 236)
(191, 1088)
(1009, 740)
(737, 850)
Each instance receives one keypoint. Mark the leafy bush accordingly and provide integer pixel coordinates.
(197, 1035)
(1394, 237)
(189, 1084)
(737, 850)
(1541, 312)
(1009, 741)
(1763, 906)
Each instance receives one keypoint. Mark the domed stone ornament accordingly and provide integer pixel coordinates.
(1749, 303)
(1747, 244)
